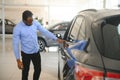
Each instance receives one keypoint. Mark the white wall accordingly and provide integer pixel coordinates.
(46, 2)
(50, 10)
(15, 14)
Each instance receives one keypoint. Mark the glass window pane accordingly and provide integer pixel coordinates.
(76, 26)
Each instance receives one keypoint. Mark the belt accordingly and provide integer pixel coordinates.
(29, 53)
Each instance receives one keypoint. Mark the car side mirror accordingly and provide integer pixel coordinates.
(70, 39)
(58, 35)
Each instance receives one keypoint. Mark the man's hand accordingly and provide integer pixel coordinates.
(65, 45)
(60, 40)
(20, 64)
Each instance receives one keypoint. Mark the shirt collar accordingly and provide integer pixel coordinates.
(24, 24)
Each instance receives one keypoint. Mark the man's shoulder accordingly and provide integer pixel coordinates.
(18, 26)
(35, 22)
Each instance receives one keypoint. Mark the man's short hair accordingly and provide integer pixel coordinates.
(26, 14)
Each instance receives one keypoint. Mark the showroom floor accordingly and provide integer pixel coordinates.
(9, 70)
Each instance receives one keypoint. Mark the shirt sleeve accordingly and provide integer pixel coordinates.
(16, 39)
(45, 32)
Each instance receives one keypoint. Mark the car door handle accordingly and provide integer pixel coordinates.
(63, 57)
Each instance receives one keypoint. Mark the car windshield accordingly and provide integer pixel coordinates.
(111, 37)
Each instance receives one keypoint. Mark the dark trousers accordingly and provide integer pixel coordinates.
(36, 60)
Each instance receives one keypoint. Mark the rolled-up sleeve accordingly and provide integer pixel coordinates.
(45, 31)
(16, 39)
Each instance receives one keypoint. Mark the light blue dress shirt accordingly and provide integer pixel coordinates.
(25, 37)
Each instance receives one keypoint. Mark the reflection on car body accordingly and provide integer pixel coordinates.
(9, 25)
(56, 29)
(94, 47)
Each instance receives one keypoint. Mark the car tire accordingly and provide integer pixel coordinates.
(41, 43)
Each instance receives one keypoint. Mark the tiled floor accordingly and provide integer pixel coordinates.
(9, 70)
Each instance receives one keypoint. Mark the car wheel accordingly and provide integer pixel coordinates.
(41, 43)
(70, 74)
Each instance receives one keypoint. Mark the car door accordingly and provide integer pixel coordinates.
(77, 31)
(77, 43)
(71, 37)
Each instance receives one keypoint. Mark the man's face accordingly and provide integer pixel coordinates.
(29, 21)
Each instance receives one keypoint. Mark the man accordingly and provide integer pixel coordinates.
(25, 33)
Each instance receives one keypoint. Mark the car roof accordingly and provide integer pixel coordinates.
(93, 16)
(99, 14)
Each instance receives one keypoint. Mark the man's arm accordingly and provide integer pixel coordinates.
(48, 33)
(16, 39)
(45, 32)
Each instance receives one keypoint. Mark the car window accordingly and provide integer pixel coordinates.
(81, 35)
(9, 22)
(111, 38)
(76, 27)
(65, 25)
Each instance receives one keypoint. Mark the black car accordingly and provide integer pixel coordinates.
(94, 47)
(9, 25)
(57, 29)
